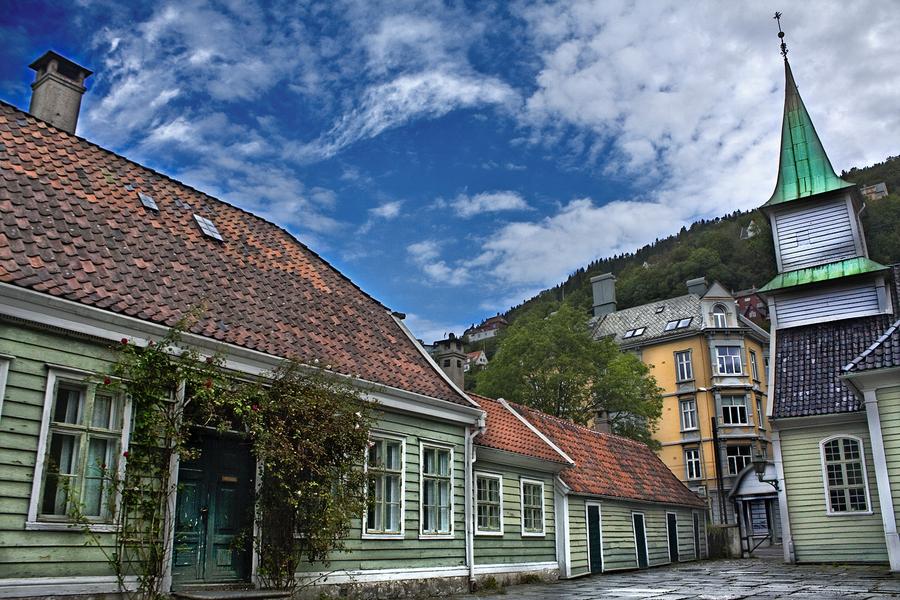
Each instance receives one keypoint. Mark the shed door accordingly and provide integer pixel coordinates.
(640, 540)
(595, 543)
(672, 532)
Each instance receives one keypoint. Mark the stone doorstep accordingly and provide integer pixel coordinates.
(230, 594)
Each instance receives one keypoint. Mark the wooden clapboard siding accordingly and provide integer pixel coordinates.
(889, 409)
(816, 234)
(818, 304)
(37, 553)
(578, 535)
(851, 538)
(409, 552)
(512, 547)
(619, 550)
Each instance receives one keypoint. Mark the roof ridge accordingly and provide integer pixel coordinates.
(582, 427)
(546, 439)
(865, 353)
(211, 197)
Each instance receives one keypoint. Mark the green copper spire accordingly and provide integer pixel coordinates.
(804, 169)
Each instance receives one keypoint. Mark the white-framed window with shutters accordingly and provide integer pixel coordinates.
(688, 414)
(844, 474)
(692, 465)
(728, 360)
(436, 492)
(81, 447)
(532, 496)
(385, 481)
(684, 367)
(734, 410)
(488, 504)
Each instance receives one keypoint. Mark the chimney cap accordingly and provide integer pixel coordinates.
(65, 66)
(603, 277)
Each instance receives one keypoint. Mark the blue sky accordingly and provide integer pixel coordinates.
(454, 158)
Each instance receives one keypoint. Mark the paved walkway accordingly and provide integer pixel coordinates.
(757, 579)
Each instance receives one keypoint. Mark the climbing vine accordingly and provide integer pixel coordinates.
(308, 429)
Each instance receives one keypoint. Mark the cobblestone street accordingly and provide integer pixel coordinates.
(720, 580)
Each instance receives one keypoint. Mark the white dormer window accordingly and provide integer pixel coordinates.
(720, 316)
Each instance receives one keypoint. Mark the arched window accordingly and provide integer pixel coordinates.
(720, 314)
(844, 470)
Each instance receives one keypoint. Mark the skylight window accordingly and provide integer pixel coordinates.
(208, 227)
(659, 309)
(633, 332)
(678, 324)
(148, 201)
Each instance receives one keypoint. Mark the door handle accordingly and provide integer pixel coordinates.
(204, 511)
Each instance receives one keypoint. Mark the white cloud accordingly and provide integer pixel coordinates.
(468, 206)
(388, 210)
(430, 331)
(425, 255)
(425, 95)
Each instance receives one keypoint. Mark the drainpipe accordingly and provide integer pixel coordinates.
(471, 432)
(720, 483)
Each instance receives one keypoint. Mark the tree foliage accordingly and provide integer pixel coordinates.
(550, 362)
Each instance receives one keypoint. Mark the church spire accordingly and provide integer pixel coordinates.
(804, 169)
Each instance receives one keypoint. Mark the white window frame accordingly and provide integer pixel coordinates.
(681, 408)
(688, 364)
(80, 378)
(4, 375)
(754, 366)
(423, 445)
(721, 361)
(728, 458)
(760, 413)
(865, 473)
(720, 316)
(687, 463)
(499, 479)
(722, 408)
(377, 434)
(522, 483)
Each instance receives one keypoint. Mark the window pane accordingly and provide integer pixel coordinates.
(61, 467)
(68, 405)
(104, 412)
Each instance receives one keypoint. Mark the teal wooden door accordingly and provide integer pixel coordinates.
(214, 514)
(640, 540)
(595, 543)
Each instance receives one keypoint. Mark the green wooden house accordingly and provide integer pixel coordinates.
(96, 249)
(835, 373)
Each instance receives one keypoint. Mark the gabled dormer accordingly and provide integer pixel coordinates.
(824, 271)
(718, 308)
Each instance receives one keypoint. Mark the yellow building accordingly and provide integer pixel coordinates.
(711, 363)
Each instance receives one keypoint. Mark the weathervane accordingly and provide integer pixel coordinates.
(777, 17)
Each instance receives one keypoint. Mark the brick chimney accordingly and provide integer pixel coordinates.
(449, 356)
(602, 422)
(57, 90)
(604, 290)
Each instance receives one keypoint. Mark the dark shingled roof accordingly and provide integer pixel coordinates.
(883, 354)
(74, 228)
(617, 323)
(810, 360)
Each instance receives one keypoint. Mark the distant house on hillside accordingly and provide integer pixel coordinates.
(487, 329)
(752, 305)
(874, 191)
(475, 359)
(751, 230)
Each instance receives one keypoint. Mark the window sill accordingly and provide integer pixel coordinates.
(383, 536)
(850, 514)
(436, 536)
(74, 527)
(489, 533)
(534, 534)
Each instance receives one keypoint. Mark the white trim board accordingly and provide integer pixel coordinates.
(4, 374)
(372, 575)
(63, 586)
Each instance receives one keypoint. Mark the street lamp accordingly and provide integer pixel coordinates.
(759, 465)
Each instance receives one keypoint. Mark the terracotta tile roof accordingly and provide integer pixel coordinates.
(810, 360)
(74, 228)
(505, 431)
(611, 465)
